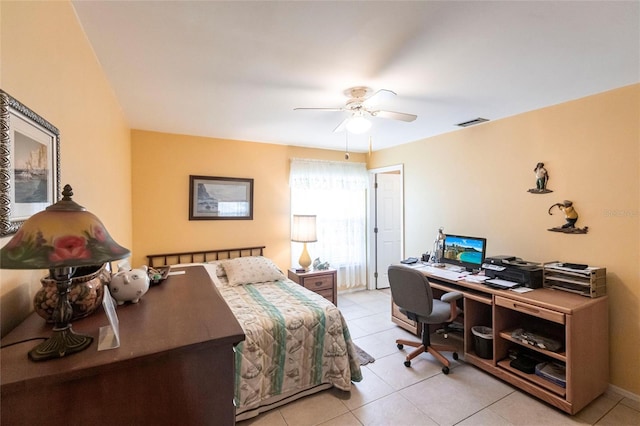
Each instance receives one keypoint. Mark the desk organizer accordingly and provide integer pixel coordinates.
(589, 282)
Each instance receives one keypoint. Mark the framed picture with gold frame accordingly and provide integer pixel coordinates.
(216, 198)
(29, 164)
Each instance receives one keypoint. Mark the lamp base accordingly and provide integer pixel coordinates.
(63, 342)
(305, 259)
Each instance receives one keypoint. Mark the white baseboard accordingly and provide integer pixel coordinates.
(625, 393)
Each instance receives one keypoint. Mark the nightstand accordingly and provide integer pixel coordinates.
(324, 283)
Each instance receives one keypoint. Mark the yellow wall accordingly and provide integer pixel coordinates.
(48, 65)
(474, 182)
(590, 147)
(162, 165)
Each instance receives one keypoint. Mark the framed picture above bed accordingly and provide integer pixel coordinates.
(220, 198)
(29, 164)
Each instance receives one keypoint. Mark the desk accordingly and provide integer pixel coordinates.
(580, 323)
(175, 364)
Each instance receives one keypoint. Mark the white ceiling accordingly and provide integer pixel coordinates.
(237, 69)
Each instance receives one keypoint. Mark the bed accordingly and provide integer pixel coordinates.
(297, 342)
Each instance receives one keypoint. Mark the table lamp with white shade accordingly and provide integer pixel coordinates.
(303, 230)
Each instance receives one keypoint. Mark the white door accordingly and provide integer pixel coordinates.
(388, 223)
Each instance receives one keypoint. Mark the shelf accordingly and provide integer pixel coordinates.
(539, 381)
(584, 281)
(476, 360)
(560, 356)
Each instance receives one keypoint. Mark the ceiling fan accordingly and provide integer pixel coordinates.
(362, 104)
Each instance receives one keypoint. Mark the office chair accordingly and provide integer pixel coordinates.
(412, 293)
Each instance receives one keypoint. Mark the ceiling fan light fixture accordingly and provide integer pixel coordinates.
(360, 107)
(358, 124)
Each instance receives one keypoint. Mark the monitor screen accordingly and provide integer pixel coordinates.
(467, 252)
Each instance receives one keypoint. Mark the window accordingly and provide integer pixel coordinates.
(336, 193)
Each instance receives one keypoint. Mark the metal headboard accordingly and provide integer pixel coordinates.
(202, 256)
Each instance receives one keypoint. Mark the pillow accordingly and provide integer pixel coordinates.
(251, 269)
(220, 272)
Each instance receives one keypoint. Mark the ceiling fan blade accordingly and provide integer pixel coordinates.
(402, 116)
(321, 109)
(378, 96)
(342, 126)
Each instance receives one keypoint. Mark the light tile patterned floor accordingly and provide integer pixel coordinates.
(391, 394)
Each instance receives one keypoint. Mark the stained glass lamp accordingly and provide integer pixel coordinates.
(61, 238)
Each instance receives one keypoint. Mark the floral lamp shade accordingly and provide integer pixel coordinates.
(63, 235)
(61, 238)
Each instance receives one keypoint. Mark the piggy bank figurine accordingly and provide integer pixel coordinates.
(129, 286)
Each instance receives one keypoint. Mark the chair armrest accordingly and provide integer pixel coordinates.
(452, 296)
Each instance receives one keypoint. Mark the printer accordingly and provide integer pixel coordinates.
(514, 269)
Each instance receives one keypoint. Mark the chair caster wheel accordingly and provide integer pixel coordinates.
(445, 370)
(400, 346)
(407, 363)
(455, 356)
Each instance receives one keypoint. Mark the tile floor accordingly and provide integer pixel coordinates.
(391, 394)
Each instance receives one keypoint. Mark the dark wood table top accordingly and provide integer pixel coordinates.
(182, 312)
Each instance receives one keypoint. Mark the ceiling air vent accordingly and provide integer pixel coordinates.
(472, 122)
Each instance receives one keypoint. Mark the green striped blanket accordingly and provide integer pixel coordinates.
(295, 339)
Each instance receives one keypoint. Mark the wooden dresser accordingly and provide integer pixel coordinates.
(175, 364)
(324, 283)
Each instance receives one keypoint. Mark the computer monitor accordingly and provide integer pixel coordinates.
(466, 252)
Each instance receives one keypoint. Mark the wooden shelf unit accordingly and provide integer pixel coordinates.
(579, 323)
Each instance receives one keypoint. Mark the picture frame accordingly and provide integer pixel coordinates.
(29, 164)
(220, 198)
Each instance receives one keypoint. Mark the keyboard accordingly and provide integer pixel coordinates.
(446, 274)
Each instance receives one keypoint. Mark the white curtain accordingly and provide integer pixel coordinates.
(336, 193)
